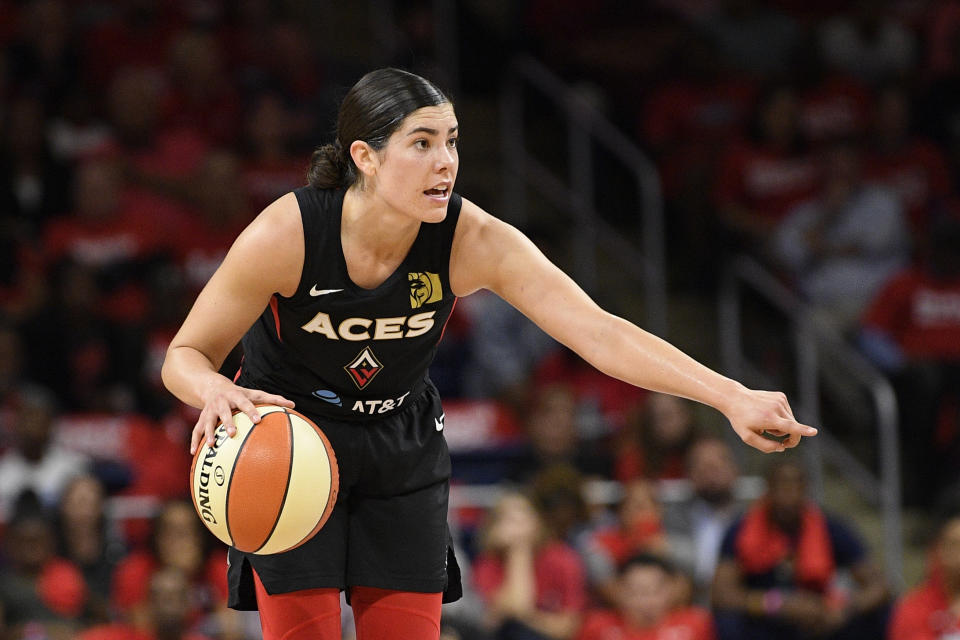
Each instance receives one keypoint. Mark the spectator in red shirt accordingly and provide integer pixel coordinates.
(778, 570)
(911, 166)
(637, 530)
(645, 607)
(167, 616)
(760, 179)
(929, 612)
(533, 585)
(833, 105)
(912, 332)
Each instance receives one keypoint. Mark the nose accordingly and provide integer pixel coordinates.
(446, 159)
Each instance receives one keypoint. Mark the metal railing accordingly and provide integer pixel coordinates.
(810, 338)
(587, 129)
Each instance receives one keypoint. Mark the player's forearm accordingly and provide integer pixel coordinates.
(188, 374)
(626, 352)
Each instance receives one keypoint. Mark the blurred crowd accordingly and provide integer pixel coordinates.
(137, 138)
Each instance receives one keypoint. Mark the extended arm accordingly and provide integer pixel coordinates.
(489, 253)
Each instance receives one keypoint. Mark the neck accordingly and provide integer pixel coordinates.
(380, 229)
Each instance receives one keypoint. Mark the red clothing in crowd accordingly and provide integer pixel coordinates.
(765, 181)
(917, 173)
(621, 543)
(158, 460)
(202, 248)
(690, 623)
(264, 181)
(920, 313)
(142, 226)
(688, 123)
(116, 44)
(559, 578)
(131, 582)
(175, 153)
(837, 107)
(762, 546)
(62, 588)
(924, 614)
(616, 399)
(631, 463)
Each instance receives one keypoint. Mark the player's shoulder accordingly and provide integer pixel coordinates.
(277, 225)
(478, 227)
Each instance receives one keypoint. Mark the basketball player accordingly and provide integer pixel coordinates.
(340, 292)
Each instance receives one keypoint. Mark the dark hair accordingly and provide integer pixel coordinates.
(647, 560)
(371, 111)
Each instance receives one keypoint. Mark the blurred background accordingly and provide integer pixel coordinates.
(770, 185)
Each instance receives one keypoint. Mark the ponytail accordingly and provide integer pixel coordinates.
(331, 168)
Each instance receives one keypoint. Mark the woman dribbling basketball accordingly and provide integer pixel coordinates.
(340, 292)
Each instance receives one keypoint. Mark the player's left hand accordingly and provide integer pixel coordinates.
(764, 420)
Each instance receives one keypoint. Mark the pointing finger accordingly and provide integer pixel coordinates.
(786, 425)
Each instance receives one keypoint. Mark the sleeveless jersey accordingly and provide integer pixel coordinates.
(339, 350)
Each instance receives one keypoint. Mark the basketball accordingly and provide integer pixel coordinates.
(270, 487)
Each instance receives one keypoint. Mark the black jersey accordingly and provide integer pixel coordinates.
(342, 351)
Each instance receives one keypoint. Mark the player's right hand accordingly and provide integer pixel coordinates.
(764, 420)
(219, 402)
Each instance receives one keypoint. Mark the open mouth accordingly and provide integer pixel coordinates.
(438, 192)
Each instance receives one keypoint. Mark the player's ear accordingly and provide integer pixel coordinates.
(364, 157)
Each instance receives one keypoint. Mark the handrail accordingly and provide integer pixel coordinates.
(811, 336)
(587, 128)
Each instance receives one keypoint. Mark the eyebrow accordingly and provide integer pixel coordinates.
(430, 131)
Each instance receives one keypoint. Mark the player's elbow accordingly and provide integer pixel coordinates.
(167, 369)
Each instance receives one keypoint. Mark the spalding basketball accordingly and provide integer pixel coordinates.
(271, 486)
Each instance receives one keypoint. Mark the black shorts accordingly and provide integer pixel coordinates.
(388, 528)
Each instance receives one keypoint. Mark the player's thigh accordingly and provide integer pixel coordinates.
(400, 542)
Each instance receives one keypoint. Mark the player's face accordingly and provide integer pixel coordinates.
(419, 164)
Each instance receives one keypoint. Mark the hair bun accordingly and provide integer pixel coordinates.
(329, 167)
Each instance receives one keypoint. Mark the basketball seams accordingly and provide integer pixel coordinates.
(286, 486)
(226, 506)
(334, 477)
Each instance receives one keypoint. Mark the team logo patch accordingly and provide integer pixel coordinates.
(424, 287)
(363, 368)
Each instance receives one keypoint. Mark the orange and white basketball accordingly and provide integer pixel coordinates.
(270, 487)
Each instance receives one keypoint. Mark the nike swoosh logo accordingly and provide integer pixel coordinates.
(322, 292)
(438, 422)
